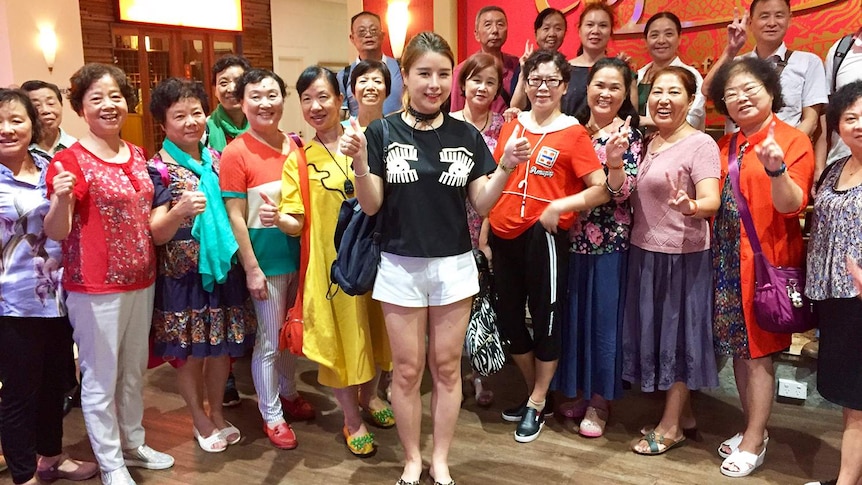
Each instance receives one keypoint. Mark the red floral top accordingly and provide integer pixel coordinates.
(109, 249)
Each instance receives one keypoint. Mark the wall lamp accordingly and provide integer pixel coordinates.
(48, 44)
(397, 19)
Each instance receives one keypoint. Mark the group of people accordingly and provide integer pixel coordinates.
(606, 211)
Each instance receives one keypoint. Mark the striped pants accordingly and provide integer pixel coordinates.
(272, 370)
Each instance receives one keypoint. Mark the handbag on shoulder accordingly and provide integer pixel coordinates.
(780, 305)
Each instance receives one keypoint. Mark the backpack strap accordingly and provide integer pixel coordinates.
(345, 78)
(841, 51)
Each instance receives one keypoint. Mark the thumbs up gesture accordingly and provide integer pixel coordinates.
(63, 181)
(353, 142)
(516, 151)
(268, 211)
(191, 203)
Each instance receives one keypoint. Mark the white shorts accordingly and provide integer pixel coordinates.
(421, 282)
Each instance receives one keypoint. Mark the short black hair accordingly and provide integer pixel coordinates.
(839, 102)
(313, 73)
(664, 15)
(368, 65)
(35, 85)
(92, 72)
(19, 95)
(627, 108)
(755, 2)
(254, 76)
(760, 69)
(173, 89)
(227, 61)
(360, 14)
(543, 56)
(547, 12)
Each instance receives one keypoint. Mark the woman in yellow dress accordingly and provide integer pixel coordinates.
(345, 335)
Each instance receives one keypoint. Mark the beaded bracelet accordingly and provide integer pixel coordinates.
(359, 176)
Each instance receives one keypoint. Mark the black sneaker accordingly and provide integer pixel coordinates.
(530, 426)
(515, 414)
(231, 396)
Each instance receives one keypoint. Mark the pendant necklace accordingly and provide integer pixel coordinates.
(348, 185)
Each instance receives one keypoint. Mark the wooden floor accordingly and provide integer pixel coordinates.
(804, 443)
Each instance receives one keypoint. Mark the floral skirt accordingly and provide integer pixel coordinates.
(667, 323)
(191, 322)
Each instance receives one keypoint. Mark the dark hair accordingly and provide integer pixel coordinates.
(369, 65)
(479, 62)
(597, 5)
(755, 2)
(839, 102)
(360, 14)
(689, 82)
(543, 56)
(489, 8)
(254, 76)
(627, 108)
(664, 15)
(227, 61)
(92, 72)
(313, 73)
(174, 89)
(760, 69)
(36, 85)
(540, 19)
(19, 95)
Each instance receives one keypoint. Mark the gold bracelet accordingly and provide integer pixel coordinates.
(506, 169)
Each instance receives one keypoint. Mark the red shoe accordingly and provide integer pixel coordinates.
(299, 409)
(282, 436)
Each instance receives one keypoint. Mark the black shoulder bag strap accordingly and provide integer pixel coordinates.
(840, 53)
(781, 64)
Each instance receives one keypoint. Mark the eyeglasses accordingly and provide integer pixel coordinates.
(551, 82)
(732, 95)
(363, 32)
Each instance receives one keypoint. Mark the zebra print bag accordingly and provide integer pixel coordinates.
(482, 345)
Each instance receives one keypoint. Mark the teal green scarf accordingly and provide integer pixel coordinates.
(220, 123)
(211, 227)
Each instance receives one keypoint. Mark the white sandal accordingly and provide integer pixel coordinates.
(733, 443)
(211, 443)
(741, 463)
(229, 431)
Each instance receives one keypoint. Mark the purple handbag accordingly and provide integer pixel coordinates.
(780, 305)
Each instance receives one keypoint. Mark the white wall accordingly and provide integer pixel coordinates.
(306, 33)
(20, 56)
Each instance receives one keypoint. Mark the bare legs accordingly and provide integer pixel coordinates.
(755, 381)
(446, 326)
(851, 449)
(197, 378)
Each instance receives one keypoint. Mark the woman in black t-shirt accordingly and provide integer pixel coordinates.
(427, 276)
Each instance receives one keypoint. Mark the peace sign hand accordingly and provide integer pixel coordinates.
(679, 199)
(737, 32)
(769, 152)
(618, 143)
(528, 51)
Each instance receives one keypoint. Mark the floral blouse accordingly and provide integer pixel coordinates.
(606, 228)
(490, 135)
(835, 233)
(30, 268)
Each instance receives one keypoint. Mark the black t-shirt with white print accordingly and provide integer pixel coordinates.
(425, 189)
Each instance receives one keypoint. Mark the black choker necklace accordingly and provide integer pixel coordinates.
(422, 117)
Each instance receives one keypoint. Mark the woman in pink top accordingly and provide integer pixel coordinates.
(667, 322)
(101, 197)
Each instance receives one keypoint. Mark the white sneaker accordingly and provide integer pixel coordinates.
(146, 457)
(120, 476)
